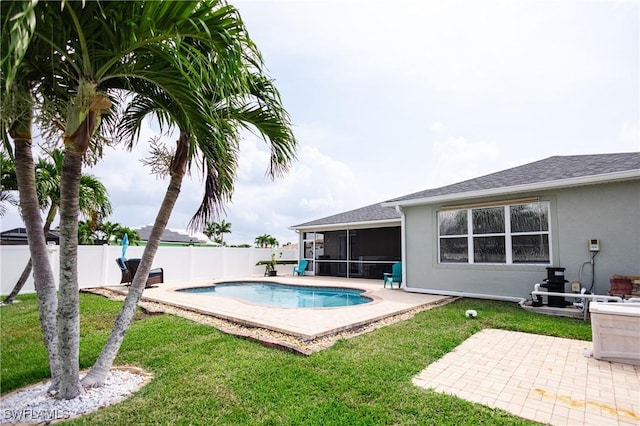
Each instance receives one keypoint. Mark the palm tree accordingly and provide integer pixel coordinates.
(86, 232)
(151, 55)
(93, 199)
(190, 63)
(211, 135)
(6, 197)
(108, 231)
(38, 62)
(215, 230)
(261, 241)
(210, 230)
(223, 227)
(7, 182)
(19, 129)
(252, 102)
(17, 102)
(266, 241)
(132, 235)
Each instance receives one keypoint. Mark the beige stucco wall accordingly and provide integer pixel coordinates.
(609, 212)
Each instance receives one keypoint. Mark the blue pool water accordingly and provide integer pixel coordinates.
(285, 296)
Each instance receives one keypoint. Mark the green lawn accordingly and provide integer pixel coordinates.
(202, 376)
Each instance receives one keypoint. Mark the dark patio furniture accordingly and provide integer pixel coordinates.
(156, 275)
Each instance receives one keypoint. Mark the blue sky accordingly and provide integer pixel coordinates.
(389, 98)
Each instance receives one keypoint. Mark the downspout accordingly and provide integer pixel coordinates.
(406, 287)
(403, 251)
(348, 254)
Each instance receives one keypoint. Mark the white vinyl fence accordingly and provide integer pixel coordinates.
(97, 264)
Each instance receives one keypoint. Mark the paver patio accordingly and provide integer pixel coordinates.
(541, 378)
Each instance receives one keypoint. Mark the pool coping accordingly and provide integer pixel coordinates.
(304, 326)
(362, 293)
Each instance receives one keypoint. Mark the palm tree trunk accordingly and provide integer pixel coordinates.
(100, 369)
(20, 283)
(68, 295)
(42, 273)
(29, 266)
(82, 121)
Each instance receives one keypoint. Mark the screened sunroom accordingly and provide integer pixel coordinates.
(351, 244)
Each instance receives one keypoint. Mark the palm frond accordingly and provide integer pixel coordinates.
(6, 197)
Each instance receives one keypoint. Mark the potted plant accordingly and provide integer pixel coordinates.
(270, 267)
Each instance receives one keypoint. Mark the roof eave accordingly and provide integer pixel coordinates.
(345, 225)
(508, 190)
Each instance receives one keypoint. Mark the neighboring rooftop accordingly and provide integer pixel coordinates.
(168, 236)
(18, 236)
(552, 169)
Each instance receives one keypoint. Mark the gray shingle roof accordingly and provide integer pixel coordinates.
(168, 236)
(548, 170)
(374, 212)
(20, 235)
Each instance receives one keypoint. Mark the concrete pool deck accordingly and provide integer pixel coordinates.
(304, 323)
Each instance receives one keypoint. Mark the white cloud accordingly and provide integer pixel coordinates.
(438, 128)
(629, 138)
(389, 98)
(134, 192)
(465, 48)
(316, 186)
(458, 158)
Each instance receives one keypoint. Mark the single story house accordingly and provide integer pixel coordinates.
(169, 237)
(494, 236)
(18, 236)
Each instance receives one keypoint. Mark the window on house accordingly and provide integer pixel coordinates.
(509, 234)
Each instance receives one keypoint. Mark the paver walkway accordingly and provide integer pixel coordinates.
(541, 378)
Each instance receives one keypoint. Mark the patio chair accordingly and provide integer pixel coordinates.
(126, 275)
(302, 266)
(395, 276)
(156, 275)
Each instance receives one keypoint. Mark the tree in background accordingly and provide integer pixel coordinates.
(86, 232)
(215, 231)
(8, 182)
(95, 233)
(266, 241)
(106, 232)
(132, 235)
(93, 200)
(210, 230)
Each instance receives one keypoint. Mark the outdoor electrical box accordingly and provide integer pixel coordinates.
(594, 244)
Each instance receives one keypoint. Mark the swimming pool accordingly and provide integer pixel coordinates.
(285, 296)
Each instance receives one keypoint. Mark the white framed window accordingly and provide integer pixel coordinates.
(502, 234)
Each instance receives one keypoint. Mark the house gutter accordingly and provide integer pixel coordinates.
(346, 225)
